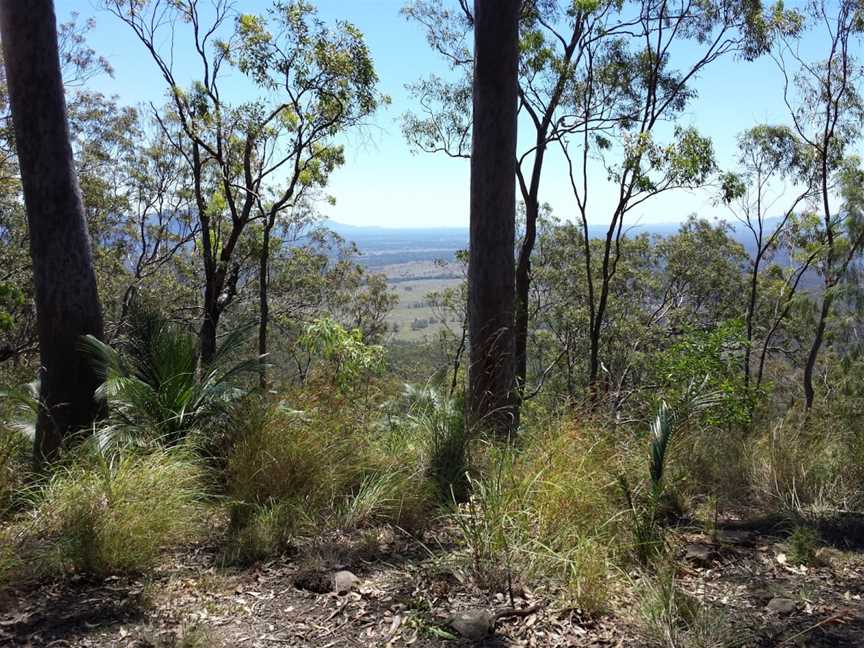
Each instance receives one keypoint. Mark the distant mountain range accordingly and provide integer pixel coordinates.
(384, 246)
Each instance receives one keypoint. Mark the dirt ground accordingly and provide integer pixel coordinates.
(407, 592)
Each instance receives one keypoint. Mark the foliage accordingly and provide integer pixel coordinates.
(803, 543)
(440, 421)
(807, 464)
(546, 509)
(295, 473)
(709, 359)
(13, 466)
(349, 362)
(152, 387)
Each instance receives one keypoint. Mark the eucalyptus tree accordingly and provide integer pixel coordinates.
(251, 161)
(67, 303)
(769, 158)
(491, 272)
(18, 330)
(553, 42)
(825, 105)
(629, 89)
(596, 80)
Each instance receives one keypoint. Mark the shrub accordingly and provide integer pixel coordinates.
(299, 473)
(803, 543)
(19, 408)
(106, 515)
(10, 556)
(14, 467)
(439, 421)
(152, 383)
(288, 456)
(256, 533)
(805, 464)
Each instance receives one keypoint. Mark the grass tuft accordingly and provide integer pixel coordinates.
(111, 515)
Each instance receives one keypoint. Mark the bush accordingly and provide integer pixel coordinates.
(806, 463)
(152, 384)
(301, 473)
(19, 408)
(803, 545)
(111, 515)
(285, 457)
(256, 533)
(439, 421)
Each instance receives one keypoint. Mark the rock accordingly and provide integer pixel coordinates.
(344, 581)
(473, 624)
(700, 554)
(781, 605)
(734, 536)
(314, 580)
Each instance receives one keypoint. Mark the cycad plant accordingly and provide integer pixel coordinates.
(648, 540)
(153, 385)
(441, 421)
(661, 434)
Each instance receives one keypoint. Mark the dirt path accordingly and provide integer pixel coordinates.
(406, 594)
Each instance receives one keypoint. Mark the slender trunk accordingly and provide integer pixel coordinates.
(457, 359)
(209, 324)
(67, 303)
(610, 264)
(810, 367)
(219, 290)
(264, 304)
(491, 271)
(751, 312)
(523, 286)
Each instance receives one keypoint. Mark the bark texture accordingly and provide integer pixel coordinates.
(67, 304)
(491, 268)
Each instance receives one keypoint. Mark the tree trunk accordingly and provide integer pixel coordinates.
(219, 290)
(207, 332)
(491, 271)
(67, 303)
(523, 286)
(264, 304)
(810, 367)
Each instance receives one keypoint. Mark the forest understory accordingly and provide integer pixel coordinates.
(408, 590)
(211, 434)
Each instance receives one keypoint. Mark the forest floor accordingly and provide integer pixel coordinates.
(407, 591)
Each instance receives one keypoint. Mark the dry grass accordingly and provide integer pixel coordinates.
(106, 516)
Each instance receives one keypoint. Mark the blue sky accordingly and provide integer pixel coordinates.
(383, 183)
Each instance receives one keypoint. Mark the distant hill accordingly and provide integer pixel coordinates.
(386, 246)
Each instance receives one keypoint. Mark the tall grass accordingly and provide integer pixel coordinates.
(296, 474)
(806, 463)
(14, 466)
(439, 421)
(669, 617)
(549, 509)
(111, 514)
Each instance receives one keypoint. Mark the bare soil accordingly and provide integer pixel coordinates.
(409, 589)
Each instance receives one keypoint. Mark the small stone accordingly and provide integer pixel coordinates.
(344, 582)
(473, 624)
(700, 554)
(781, 605)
